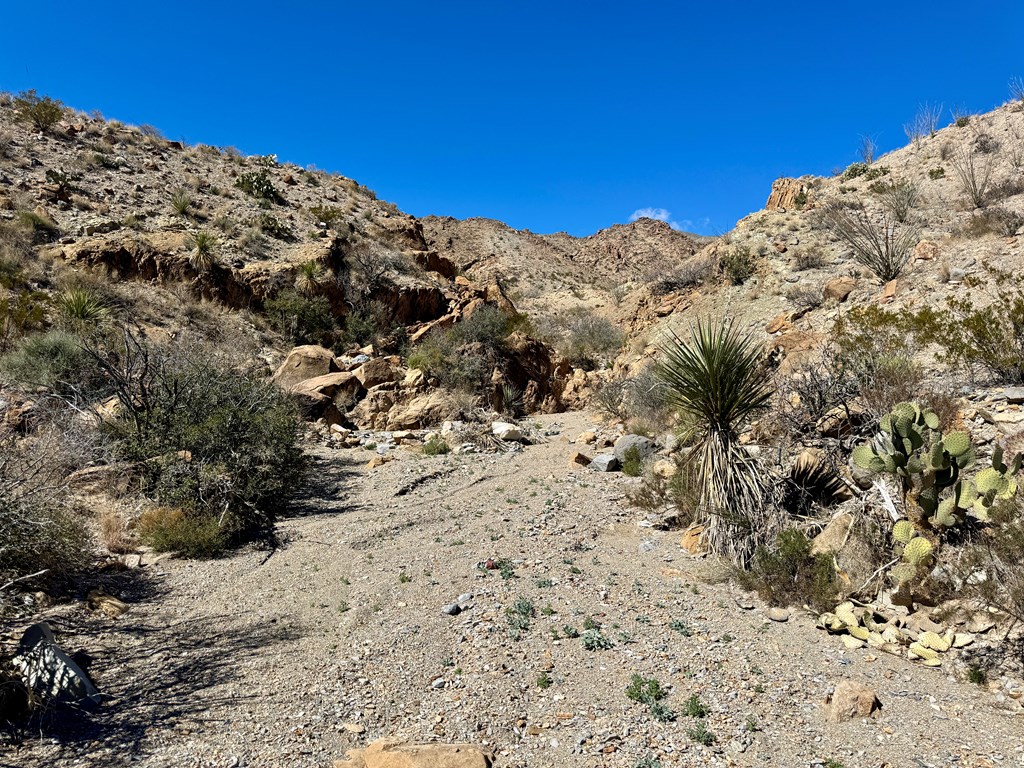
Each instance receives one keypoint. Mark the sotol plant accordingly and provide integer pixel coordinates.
(715, 380)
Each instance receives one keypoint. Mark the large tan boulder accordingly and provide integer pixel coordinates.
(838, 288)
(423, 411)
(303, 363)
(380, 370)
(343, 389)
(392, 754)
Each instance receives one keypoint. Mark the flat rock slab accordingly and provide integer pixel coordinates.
(390, 754)
(49, 671)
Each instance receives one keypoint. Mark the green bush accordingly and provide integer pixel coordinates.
(41, 112)
(632, 462)
(587, 340)
(58, 361)
(269, 225)
(462, 356)
(21, 313)
(208, 440)
(301, 319)
(738, 265)
(435, 447)
(787, 573)
(168, 529)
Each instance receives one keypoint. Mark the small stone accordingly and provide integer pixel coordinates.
(849, 701)
(579, 460)
(354, 728)
(438, 684)
(452, 609)
(505, 431)
(778, 614)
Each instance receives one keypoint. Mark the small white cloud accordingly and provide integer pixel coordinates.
(658, 214)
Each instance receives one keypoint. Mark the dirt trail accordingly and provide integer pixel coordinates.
(338, 638)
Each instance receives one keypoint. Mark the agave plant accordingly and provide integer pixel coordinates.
(204, 250)
(181, 202)
(310, 277)
(716, 381)
(82, 306)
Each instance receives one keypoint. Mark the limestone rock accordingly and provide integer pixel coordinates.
(380, 370)
(605, 462)
(784, 194)
(849, 701)
(505, 431)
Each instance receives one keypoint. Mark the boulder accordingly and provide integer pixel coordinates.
(380, 370)
(605, 462)
(420, 412)
(784, 194)
(505, 431)
(303, 363)
(849, 701)
(644, 445)
(343, 389)
(579, 460)
(394, 754)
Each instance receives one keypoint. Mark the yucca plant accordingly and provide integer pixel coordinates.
(310, 277)
(83, 307)
(204, 250)
(715, 380)
(181, 202)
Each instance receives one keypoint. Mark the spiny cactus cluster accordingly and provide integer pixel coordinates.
(917, 551)
(911, 446)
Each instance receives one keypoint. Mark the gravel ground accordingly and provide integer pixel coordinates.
(340, 637)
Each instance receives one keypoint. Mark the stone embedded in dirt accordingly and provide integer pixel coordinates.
(586, 437)
(778, 614)
(505, 431)
(579, 460)
(452, 609)
(644, 445)
(49, 671)
(849, 701)
(839, 288)
(394, 754)
(378, 461)
(98, 600)
(834, 535)
(692, 540)
(604, 462)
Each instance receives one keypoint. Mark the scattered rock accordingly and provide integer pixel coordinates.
(644, 445)
(839, 288)
(505, 431)
(305, 362)
(394, 754)
(849, 701)
(452, 609)
(579, 460)
(98, 600)
(778, 614)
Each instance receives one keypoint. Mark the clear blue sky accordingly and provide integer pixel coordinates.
(549, 116)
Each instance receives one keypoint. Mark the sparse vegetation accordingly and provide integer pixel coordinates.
(974, 176)
(885, 249)
(41, 112)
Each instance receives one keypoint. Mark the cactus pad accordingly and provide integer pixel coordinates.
(903, 531)
(956, 443)
(918, 551)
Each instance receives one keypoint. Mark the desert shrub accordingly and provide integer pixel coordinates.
(924, 124)
(805, 297)
(988, 338)
(42, 112)
(254, 243)
(40, 229)
(435, 446)
(883, 248)
(39, 530)
(6, 142)
(786, 573)
(716, 380)
(301, 319)
(899, 198)
(272, 227)
(738, 265)
(974, 176)
(811, 258)
(865, 170)
(21, 313)
(985, 144)
(695, 271)
(656, 493)
(310, 277)
(258, 184)
(59, 362)
(993, 221)
(462, 356)
(370, 265)
(632, 462)
(587, 339)
(998, 553)
(168, 529)
(327, 214)
(208, 440)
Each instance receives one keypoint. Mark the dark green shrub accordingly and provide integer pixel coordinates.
(41, 112)
(937, 173)
(327, 214)
(208, 440)
(301, 319)
(58, 361)
(463, 356)
(738, 265)
(632, 462)
(269, 225)
(788, 573)
(435, 447)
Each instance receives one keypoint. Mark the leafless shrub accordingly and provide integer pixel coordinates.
(868, 149)
(899, 198)
(1017, 89)
(985, 144)
(6, 142)
(810, 258)
(884, 248)
(371, 264)
(805, 297)
(924, 123)
(974, 177)
(694, 271)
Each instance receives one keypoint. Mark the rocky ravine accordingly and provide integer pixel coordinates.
(343, 635)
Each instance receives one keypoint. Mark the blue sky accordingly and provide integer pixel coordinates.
(549, 116)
